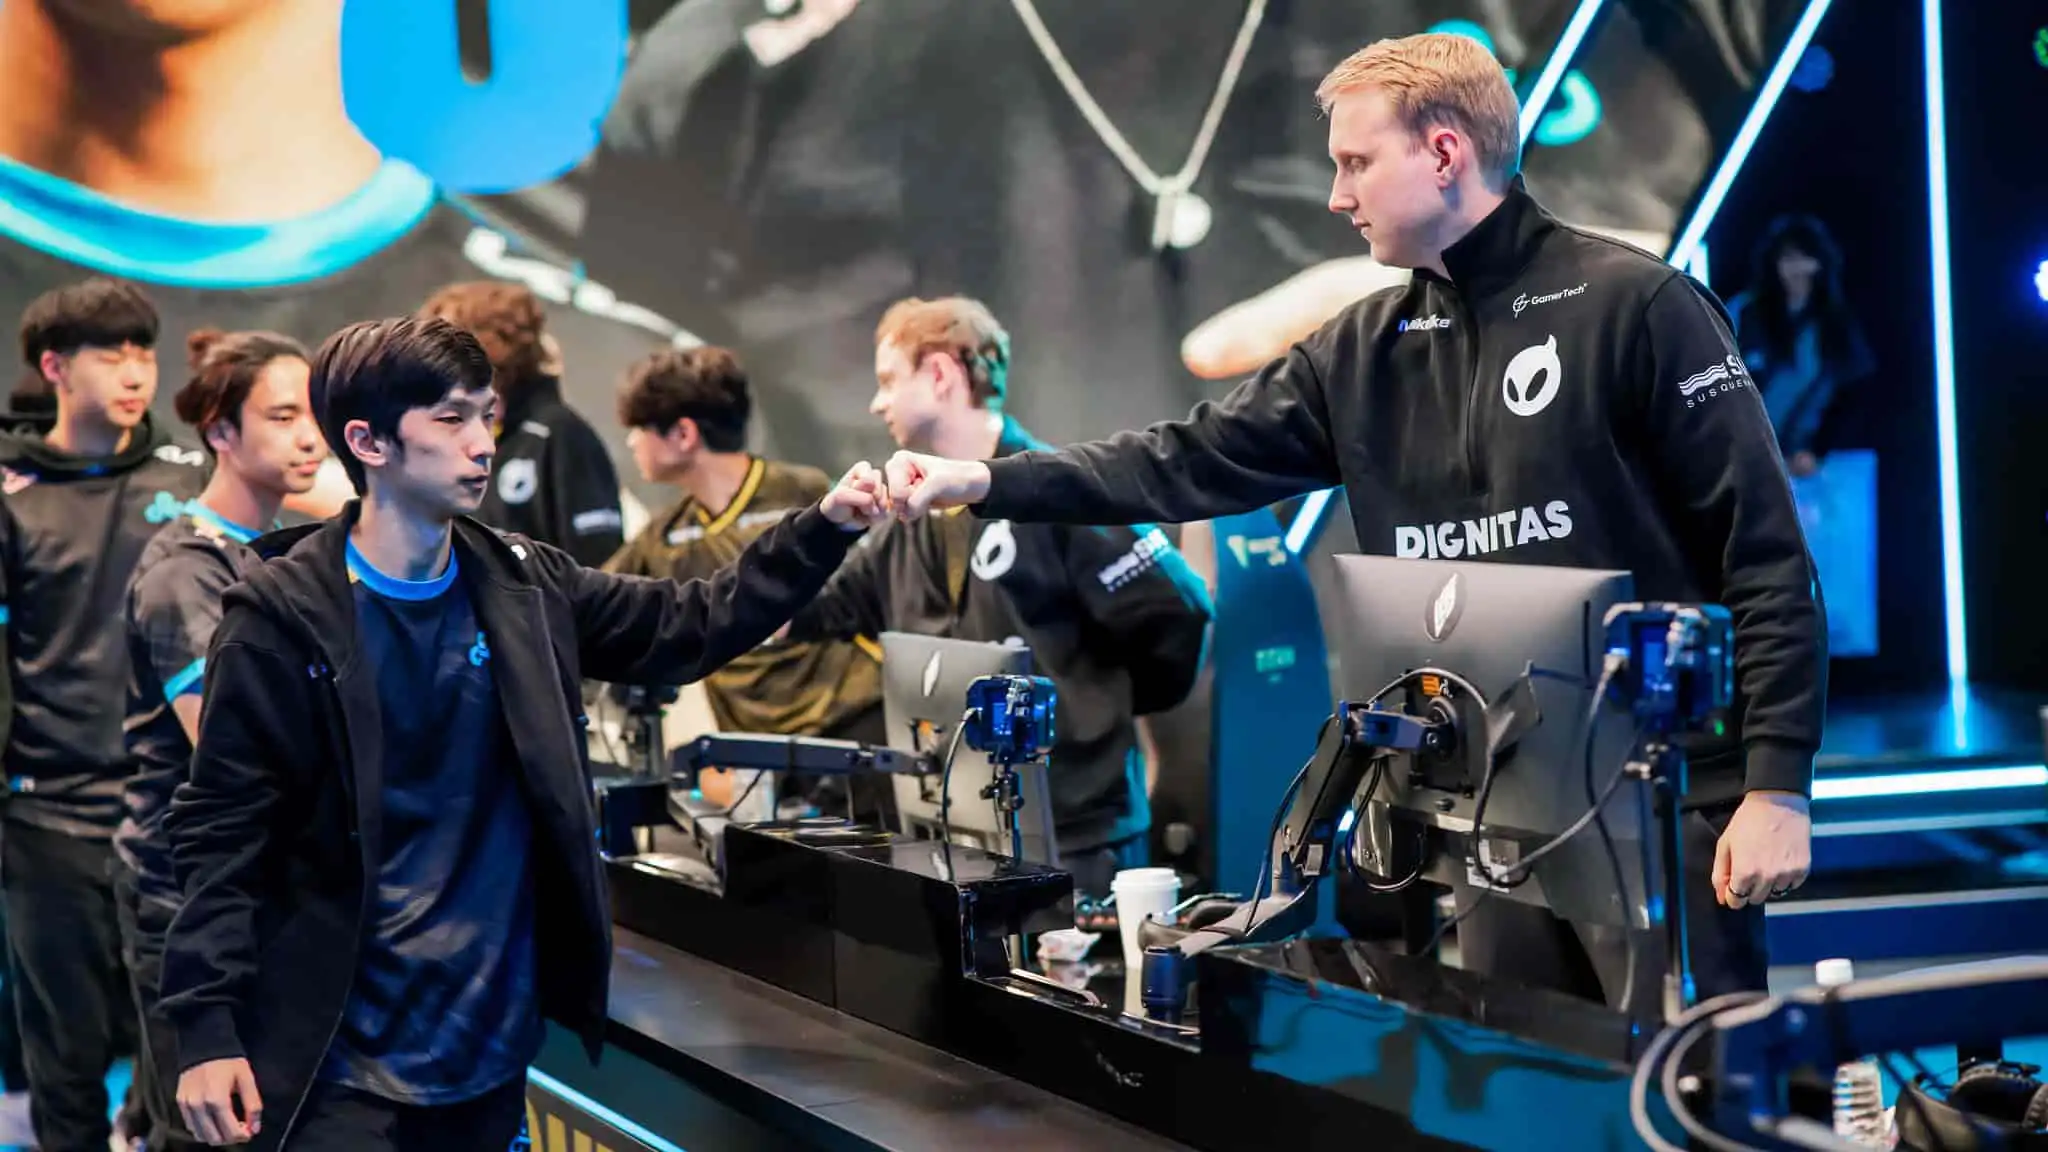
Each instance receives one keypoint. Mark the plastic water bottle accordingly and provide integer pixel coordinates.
(1859, 1085)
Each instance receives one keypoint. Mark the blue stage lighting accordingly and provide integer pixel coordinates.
(1944, 345)
(1694, 233)
(1929, 783)
(2041, 280)
(598, 1112)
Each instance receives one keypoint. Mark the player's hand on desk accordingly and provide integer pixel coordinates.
(919, 484)
(208, 1095)
(1766, 849)
(859, 500)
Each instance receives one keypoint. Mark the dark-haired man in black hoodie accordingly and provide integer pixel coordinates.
(77, 504)
(390, 789)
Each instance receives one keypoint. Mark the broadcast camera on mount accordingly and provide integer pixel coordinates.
(1467, 746)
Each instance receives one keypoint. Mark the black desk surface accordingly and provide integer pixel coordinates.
(828, 1073)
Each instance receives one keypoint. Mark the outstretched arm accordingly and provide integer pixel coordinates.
(1266, 441)
(638, 630)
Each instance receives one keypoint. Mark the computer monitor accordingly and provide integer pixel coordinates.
(924, 693)
(1487, 623)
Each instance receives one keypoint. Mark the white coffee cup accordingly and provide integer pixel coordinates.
(1142, 894)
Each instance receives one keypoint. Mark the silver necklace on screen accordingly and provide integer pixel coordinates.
(1181, 218)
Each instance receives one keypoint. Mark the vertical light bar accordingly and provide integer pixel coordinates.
(1554, 68)
(1944, 345)
(1317, 505)
(1313, 508)
(1700, 270)
(1694, 233)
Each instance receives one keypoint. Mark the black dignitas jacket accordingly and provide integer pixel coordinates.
(1560, 398)
(277, 835)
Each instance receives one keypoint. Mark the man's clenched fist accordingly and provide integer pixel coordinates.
(859, 500)
(219, 1102)
(919, 483)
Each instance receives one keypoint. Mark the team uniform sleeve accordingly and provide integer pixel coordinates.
(7, 567)
(1717, 464)
(219, 827)
(1146, 606)
(175, 608)
(1269, 439)
(643, 630)
(582, 494)
(855, 601)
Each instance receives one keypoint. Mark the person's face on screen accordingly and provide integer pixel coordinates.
(190, 17)
(663, 457)
(110, 384)
(910, 398)
(1390, 183)
(1797, 271)
(278, 446)
(440, 465)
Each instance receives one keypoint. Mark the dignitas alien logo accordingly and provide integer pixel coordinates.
(1532, 379)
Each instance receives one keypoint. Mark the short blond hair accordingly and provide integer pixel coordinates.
(1440, 78)
(954, 326)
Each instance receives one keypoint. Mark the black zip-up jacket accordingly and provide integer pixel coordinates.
(276, 836)
(553, 480)
(71, 531)
(1560, 398)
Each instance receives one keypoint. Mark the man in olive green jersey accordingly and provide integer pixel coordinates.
(686, 418)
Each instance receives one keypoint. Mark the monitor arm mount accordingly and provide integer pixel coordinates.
(1305, 849)
(648, 800)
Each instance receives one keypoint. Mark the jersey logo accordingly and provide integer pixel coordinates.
(517, 480)
(479, 651)
(996, 552)
(163, 508)
(1713, 380)
(596, 520)
(172, 454)
(1533, 378)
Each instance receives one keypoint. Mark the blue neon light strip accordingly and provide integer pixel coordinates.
(1932, 783)
(1317, 505)
(1560, 62)
(598, 1112)
(1313, 509)
(1944, 347)
(1695, 231)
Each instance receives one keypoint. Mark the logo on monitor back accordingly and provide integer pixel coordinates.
(1443, 611)
(931, 674)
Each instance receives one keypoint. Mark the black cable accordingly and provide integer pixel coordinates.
(1273, 833)
(727, 811)
(1647, 1067)
(1519, 872)
(946, 776)
(1912, 1098)
(1675, 1101)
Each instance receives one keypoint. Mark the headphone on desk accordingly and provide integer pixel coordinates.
(1991, 1105)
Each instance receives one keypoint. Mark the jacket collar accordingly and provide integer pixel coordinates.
(306, 587)
(1499, 248)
